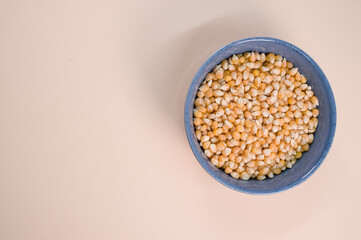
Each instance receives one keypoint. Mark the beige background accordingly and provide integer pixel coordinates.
(92, 143)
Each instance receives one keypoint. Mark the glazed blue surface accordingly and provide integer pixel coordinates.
(323, 137)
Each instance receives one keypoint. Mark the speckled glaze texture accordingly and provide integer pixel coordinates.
(324, 134)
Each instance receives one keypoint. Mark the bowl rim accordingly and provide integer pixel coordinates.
(333, 120)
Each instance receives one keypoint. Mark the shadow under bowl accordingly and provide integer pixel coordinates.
(323, 137)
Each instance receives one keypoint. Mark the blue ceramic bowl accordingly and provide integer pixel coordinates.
(323, 137)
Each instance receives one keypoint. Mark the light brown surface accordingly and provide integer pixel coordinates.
(92, 143)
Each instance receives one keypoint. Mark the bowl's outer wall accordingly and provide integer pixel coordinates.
(310, 160)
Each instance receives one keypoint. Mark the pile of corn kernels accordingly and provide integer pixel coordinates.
(254, 115)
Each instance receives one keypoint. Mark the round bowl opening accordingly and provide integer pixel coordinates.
(323, 136)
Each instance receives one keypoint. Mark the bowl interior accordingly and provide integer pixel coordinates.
(323, 136)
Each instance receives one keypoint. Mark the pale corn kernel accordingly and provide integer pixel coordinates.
(217, 131)
(250, 170)
(303, 86)
(291, 101)
(220, 112)
(197, 113)
(202, 109)
(214, 160)
(219, 73)
(262, 57)
(253, 92)
(278, 63)
(197, 121)
(224, 64)
(264, 69)
(208, 153)
(206, 145)
(288, 93)
(259, 133)
(273, 147)
(209, 93)
(238, 159)
(260, 177)
(265, 112)
(218, 93)
(248, 115)
(228, 170)
(271, 58)
(199, 102)
(204, 88)
(288, 164)
(236, 135)
(204, 138)
(276, 71)
(232, 157)
(281, 163)
(252, 57)
(251, 139)
(263, 171)
(210, 76)
(277, 171)
(273, 110)
(310, 138)
(256, 151)
(251, 164)
(289, 65)
(231, 67)
(250, 65)
(235, 175)
(198, 134)
(235, 59)
(226, 151)
(306, 147)
(293, 71)
(314, 100)
(242, 59)
(213, 148)
(244, 136)
(303, 79)
(267, 152)
(227, 79)
(271, 100)
(268, 79)
(299, 104)
(306, 119)
(288, 83)
(268, 89)
(232, 165)
(309, 93)
(242, 68)
(246, 74)
(315, 112)
(200, 94)
(279, 57)
(244, 176)
(223, 159)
